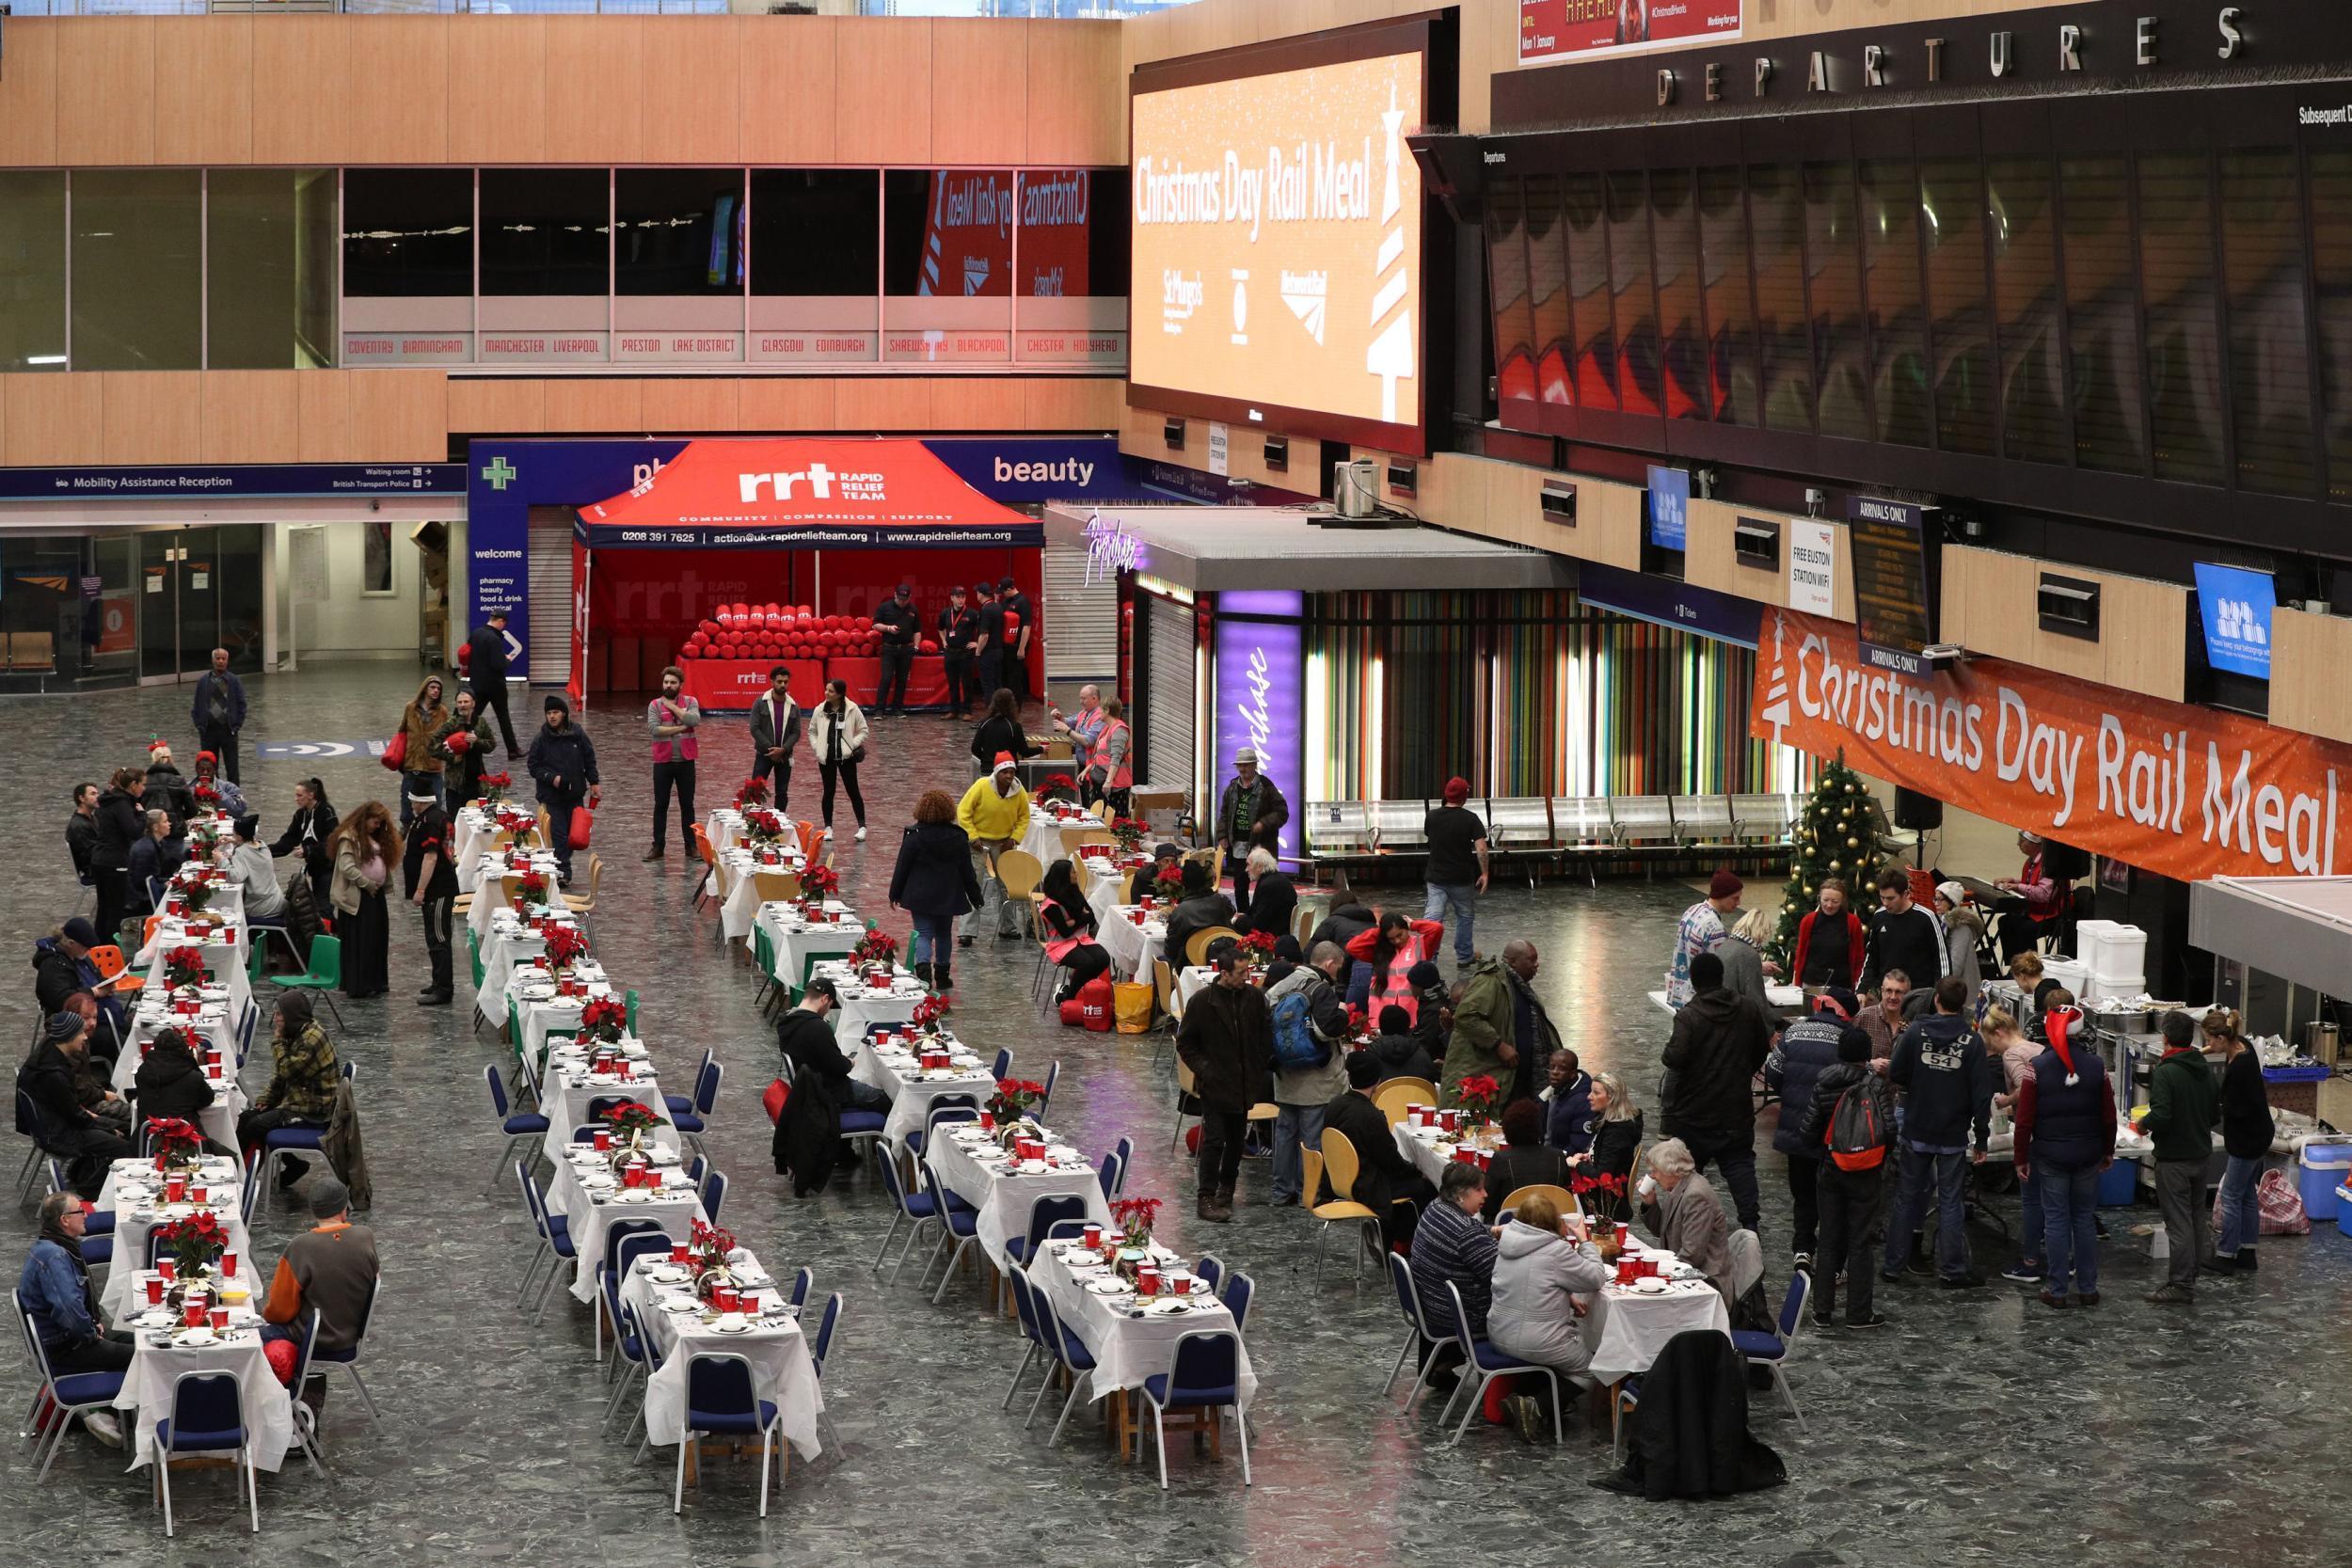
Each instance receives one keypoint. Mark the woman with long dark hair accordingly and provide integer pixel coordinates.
(999, 731)
(934, 882)
(366, 850)
(1070, 927)
(310, 834)
(121, 823)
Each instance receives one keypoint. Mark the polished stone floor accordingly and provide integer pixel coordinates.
(1977, 1427)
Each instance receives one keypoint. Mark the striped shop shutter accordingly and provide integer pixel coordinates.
(1081, 624)
(551, 551)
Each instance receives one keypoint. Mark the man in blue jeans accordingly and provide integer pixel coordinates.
(2065, 1139)
(1304, 1084)
(1947, 1076)
(1457, 865)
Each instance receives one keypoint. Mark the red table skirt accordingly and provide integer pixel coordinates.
(733, 685)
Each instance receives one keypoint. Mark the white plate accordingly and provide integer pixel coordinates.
(1106, 1288)
(1032, 1168)
(1653, 1286)
(198, 1336)
(1080, 1257)
(732, 1325)
(1168, 1309)
(680, 1305)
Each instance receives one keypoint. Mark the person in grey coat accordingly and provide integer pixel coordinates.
(1539, 1266)
(1301, 1094)
(1745, 968)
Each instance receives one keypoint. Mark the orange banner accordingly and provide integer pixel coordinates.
(2187, 792)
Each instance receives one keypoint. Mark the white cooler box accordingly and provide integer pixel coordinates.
(2111, 949)
(2105, 988)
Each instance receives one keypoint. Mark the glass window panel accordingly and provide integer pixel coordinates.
(1730, 306)
(947, 265)
(407, 233)
(1506, 284)
(2270, 378)
(269, 278)
(545, 231)
(1833, 290)
(1636, 306)
(32, 270)
(137, 263)
(816, 303)
(1951, 200)
(1069, 302)
(2102, 314)
(2176, 277)
(1588, 293)
(1674, 238)
(1890, 261)
(2025, 288)
(1548, 288)
(676, 230)
(1774, 209)
(2331, 251)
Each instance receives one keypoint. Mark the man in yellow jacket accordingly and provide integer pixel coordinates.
(993, 814)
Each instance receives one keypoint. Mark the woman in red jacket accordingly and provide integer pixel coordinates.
(1829, 942)
(1385, 957)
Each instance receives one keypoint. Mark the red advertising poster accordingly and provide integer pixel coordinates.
(578, 684)
(1579, 30)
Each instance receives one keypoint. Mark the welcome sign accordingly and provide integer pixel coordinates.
(2187, 792)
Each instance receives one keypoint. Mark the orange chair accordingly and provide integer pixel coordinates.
(111, 965)
(810, 838)
(705, 890)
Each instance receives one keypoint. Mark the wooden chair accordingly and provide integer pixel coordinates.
(1127, 888)
(1102, 810)
(587, 907)
(1561, 1197)
(775, 886)
(1076, 839)
(1338, 1162)
(1397, 1093)
(1020, 872)
(1184, 1092)
(1197, 945)
(1303, 923)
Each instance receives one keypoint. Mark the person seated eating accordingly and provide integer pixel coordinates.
(73, 1131)
(172, 1082)
(1399, 1049)
(226, 793)
(54, 1287)
(1273, 898)
(1541, 1267)
(1202, 909)
(1069, 923)
(332, 1267)
(1616, 1129)
(1568, 1100)
(154, 859)
(63, 968)
(304, 1076)
(1680, 1209)
(1452, 1246)
(1524, 1159)
(1383, 1174)
(807, 1145)
(252, 868)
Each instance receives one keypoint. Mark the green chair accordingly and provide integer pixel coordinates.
(325, 974)
(630, 997)
(473, 955)
(256, 964)
(764, 959)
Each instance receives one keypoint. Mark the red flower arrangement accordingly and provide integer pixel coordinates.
(1135, 1216)
(1477, 1095)
(929, 1013)
(765, 827)
(495, 785)
(1129, 832)
(710, 1246)
(206, 796)
(874, 948)
(196, 1242)
(1013, 1098)
(531, 888)
(633, 1120)
(1607, 1182)
(1058, 786)
(520, 824)
(1258, 944)
(184, 966)
(174, 1138)
(1170, 879)
(819, 882)
(604, 1018)
(566, 946)
(750, 793)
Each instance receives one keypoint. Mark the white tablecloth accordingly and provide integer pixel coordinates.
(212, 1027)
(862, 1008)
(132, 1224)
(224, 957)
(675, 1209)
(1043, 839)
(1624, 1330)
(1422, 1149)
(489, 876)
(795, 942)
(147, 1389)
(477, 836)
(567, 1091)
(784, 1372)
(724, 827)
(1133, 948)
(1004, 1196)
(542, 1014)
(1127, 1349)
(228, 900)
(912, 1093)
(1188, 984)
(741, 906)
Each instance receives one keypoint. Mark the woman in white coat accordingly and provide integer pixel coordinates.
(836, 732)
(1539, 1264)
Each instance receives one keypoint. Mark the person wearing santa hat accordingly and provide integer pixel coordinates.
(2065, 1137)
(994, 814)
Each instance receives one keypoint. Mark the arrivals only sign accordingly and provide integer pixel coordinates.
(2183, 791)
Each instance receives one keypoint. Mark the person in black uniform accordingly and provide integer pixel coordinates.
(1020, 630)
(958, 628)
(430, 866)
(485, 674)
(988, 647)
(898, 624)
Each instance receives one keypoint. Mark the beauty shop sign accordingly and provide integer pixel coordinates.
(2183, 791)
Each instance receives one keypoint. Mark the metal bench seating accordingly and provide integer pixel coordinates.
(1399, 827)
(1766, 818)
(1518, 832)
(1704, 820)
(1645, 821)
(1533, 830)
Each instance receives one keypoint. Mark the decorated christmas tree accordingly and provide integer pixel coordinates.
(1835, 835)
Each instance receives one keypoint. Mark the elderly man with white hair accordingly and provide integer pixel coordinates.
(1680, 1209)
(1084, 728)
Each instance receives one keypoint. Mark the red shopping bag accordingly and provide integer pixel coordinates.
(773, 1101)
(583, 821)
(395, 751)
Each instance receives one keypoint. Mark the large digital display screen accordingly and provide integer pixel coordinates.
(1277, 221)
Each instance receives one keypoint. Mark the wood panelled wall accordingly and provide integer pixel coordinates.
(413, 416)
(1988, 607)
(329, 89)
(2309, 656)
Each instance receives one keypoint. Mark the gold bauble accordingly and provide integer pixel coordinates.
(1853, 843)
(1836, 865)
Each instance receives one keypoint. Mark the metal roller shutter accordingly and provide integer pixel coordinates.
(1168, 721)
(1082, 630)
(550, 595)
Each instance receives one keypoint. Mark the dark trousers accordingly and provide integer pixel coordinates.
(254, 1125)
(491, 698)
(1804, 1178)
(439, 916)
(846, 771)
(1080, 965)
(961, 694)
(1017, 675)
(221, 741)
(560, 833)
(898, 662)
(114, 899)
(108, 1353)
(763, 766)
(2019, 932)
(1237, 867)
(678, 776)
(1851, 1204)
(987, 674)
(1734, 1154)
(1923, 1175)
(1221, 1136)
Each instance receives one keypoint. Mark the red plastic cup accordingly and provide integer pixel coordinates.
(220, 1318)
(175, 1189)
(727, 1299)
(1624, 1271)
(192, 1312)
(1148, 1280)
(159, 1157)
(603, 1141)
(987, 1121)
(165, 1267)
(1094, 1236)
(229, 1264)
(155, 1290)
(681, 1254)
